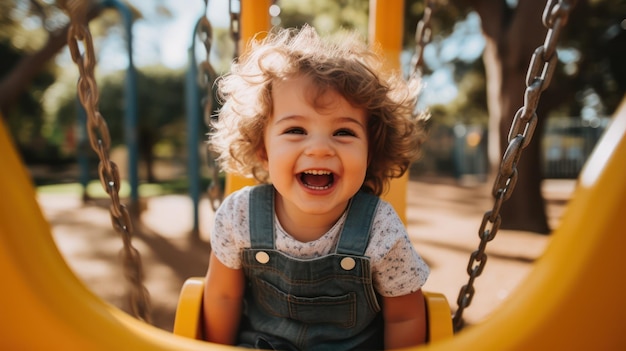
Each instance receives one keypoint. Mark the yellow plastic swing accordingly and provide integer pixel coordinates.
(189, 312)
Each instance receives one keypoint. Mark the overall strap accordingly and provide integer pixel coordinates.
(355, 234)
(261, 213)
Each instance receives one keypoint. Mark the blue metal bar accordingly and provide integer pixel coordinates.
(130, 112)
(192, 101)
(83, 144)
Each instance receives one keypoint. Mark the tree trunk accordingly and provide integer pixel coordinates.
(19, 78)
(22, 74)
(512, 34)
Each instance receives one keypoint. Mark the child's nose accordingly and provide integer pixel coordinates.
(319, 146)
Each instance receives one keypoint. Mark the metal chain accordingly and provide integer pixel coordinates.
(540, 72)
(423, 35)
(234, 8)
(100, 140)
(206, 78)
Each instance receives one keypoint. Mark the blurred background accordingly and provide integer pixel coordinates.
(148, 54)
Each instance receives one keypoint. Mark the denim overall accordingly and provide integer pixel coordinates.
(325, 303)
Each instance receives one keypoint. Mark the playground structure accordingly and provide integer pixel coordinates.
(571, 299)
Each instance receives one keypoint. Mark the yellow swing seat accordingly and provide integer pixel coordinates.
(187, 322)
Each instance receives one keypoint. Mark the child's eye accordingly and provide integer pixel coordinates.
(295, 130)
(345, 132)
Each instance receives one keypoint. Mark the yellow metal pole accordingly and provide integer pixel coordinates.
(386, 28)
(255, 18)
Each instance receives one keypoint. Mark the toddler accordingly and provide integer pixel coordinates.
(312, 258)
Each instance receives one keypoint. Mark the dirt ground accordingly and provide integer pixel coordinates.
(443, 219)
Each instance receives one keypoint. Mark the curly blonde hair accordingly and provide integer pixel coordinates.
(346, 66)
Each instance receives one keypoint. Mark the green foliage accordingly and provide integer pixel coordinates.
(446, 13)
(160, 105)
(592, 52)
(470, 106)
(596, 34)
(26, 120)
(326, 16)
(25, 25)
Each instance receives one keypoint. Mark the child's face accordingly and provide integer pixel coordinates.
(316, 158)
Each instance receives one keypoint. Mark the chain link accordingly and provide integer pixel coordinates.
(234, 8)
(423, 35)
(540, 71)
(206, 79)
(100, 141)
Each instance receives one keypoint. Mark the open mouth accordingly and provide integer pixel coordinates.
(317, 179)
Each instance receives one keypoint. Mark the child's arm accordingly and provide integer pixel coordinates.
(222, 302)
(405, 320)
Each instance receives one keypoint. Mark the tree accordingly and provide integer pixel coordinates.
(23, 63)
(26, 119)
(160, 108)
(32, 33)
(16, 80)
(512, 34)
(512, 30)
(594, 38)
(29, 71)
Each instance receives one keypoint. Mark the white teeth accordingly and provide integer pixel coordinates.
(317, 187)
(317, 172)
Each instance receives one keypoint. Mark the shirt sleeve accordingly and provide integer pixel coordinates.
(231, 232)
(397, 268)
